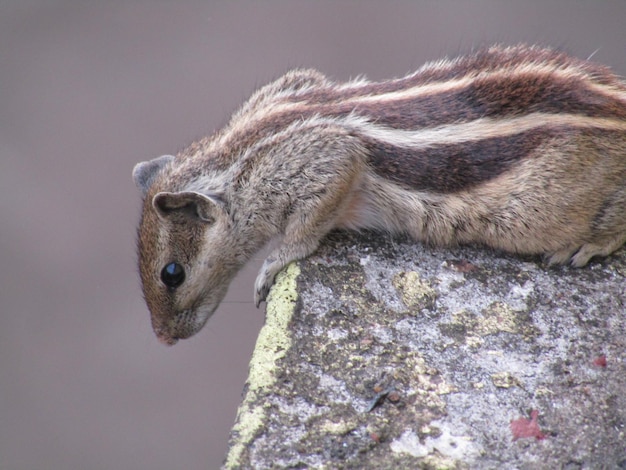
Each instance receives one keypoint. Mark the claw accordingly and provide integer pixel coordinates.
(259, 297)
(264, 282)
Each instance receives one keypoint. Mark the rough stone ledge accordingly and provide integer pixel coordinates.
(380, 353)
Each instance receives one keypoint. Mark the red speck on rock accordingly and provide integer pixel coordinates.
(460, 265)
(600, 361)
(523, 427)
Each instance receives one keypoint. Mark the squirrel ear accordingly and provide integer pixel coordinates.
(144, 172)
(188, 204)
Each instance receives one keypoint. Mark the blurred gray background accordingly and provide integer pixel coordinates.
(88, 90)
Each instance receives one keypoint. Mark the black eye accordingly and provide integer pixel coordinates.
(173, 275)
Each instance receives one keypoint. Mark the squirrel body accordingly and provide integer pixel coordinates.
(522, 149)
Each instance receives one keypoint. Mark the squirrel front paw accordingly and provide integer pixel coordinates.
(265, 280)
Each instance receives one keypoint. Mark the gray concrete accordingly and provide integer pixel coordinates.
(383, 354)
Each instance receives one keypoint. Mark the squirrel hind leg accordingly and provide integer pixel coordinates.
(604, 248)
(579, 256)
(562, 256)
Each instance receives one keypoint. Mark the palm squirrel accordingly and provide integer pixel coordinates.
(522, 149)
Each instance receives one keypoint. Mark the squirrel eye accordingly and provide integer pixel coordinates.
(173, 275)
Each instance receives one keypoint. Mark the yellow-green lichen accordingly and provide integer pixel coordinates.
(274, 339)
(272, 344)
(496, 318)
(340, 428)
(505, 380)
(474, 341)
(414, 291)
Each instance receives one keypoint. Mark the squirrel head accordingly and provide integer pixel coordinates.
(183, 258)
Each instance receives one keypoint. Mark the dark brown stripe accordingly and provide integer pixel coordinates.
(490, 97)
(453, 167)
(533, 92)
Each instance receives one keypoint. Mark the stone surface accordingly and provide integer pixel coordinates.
(382, 353)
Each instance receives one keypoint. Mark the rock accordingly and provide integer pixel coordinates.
(383, 353)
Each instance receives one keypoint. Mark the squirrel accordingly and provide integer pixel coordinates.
(521, 149)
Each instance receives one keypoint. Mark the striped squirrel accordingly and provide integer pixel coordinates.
(522, 149)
